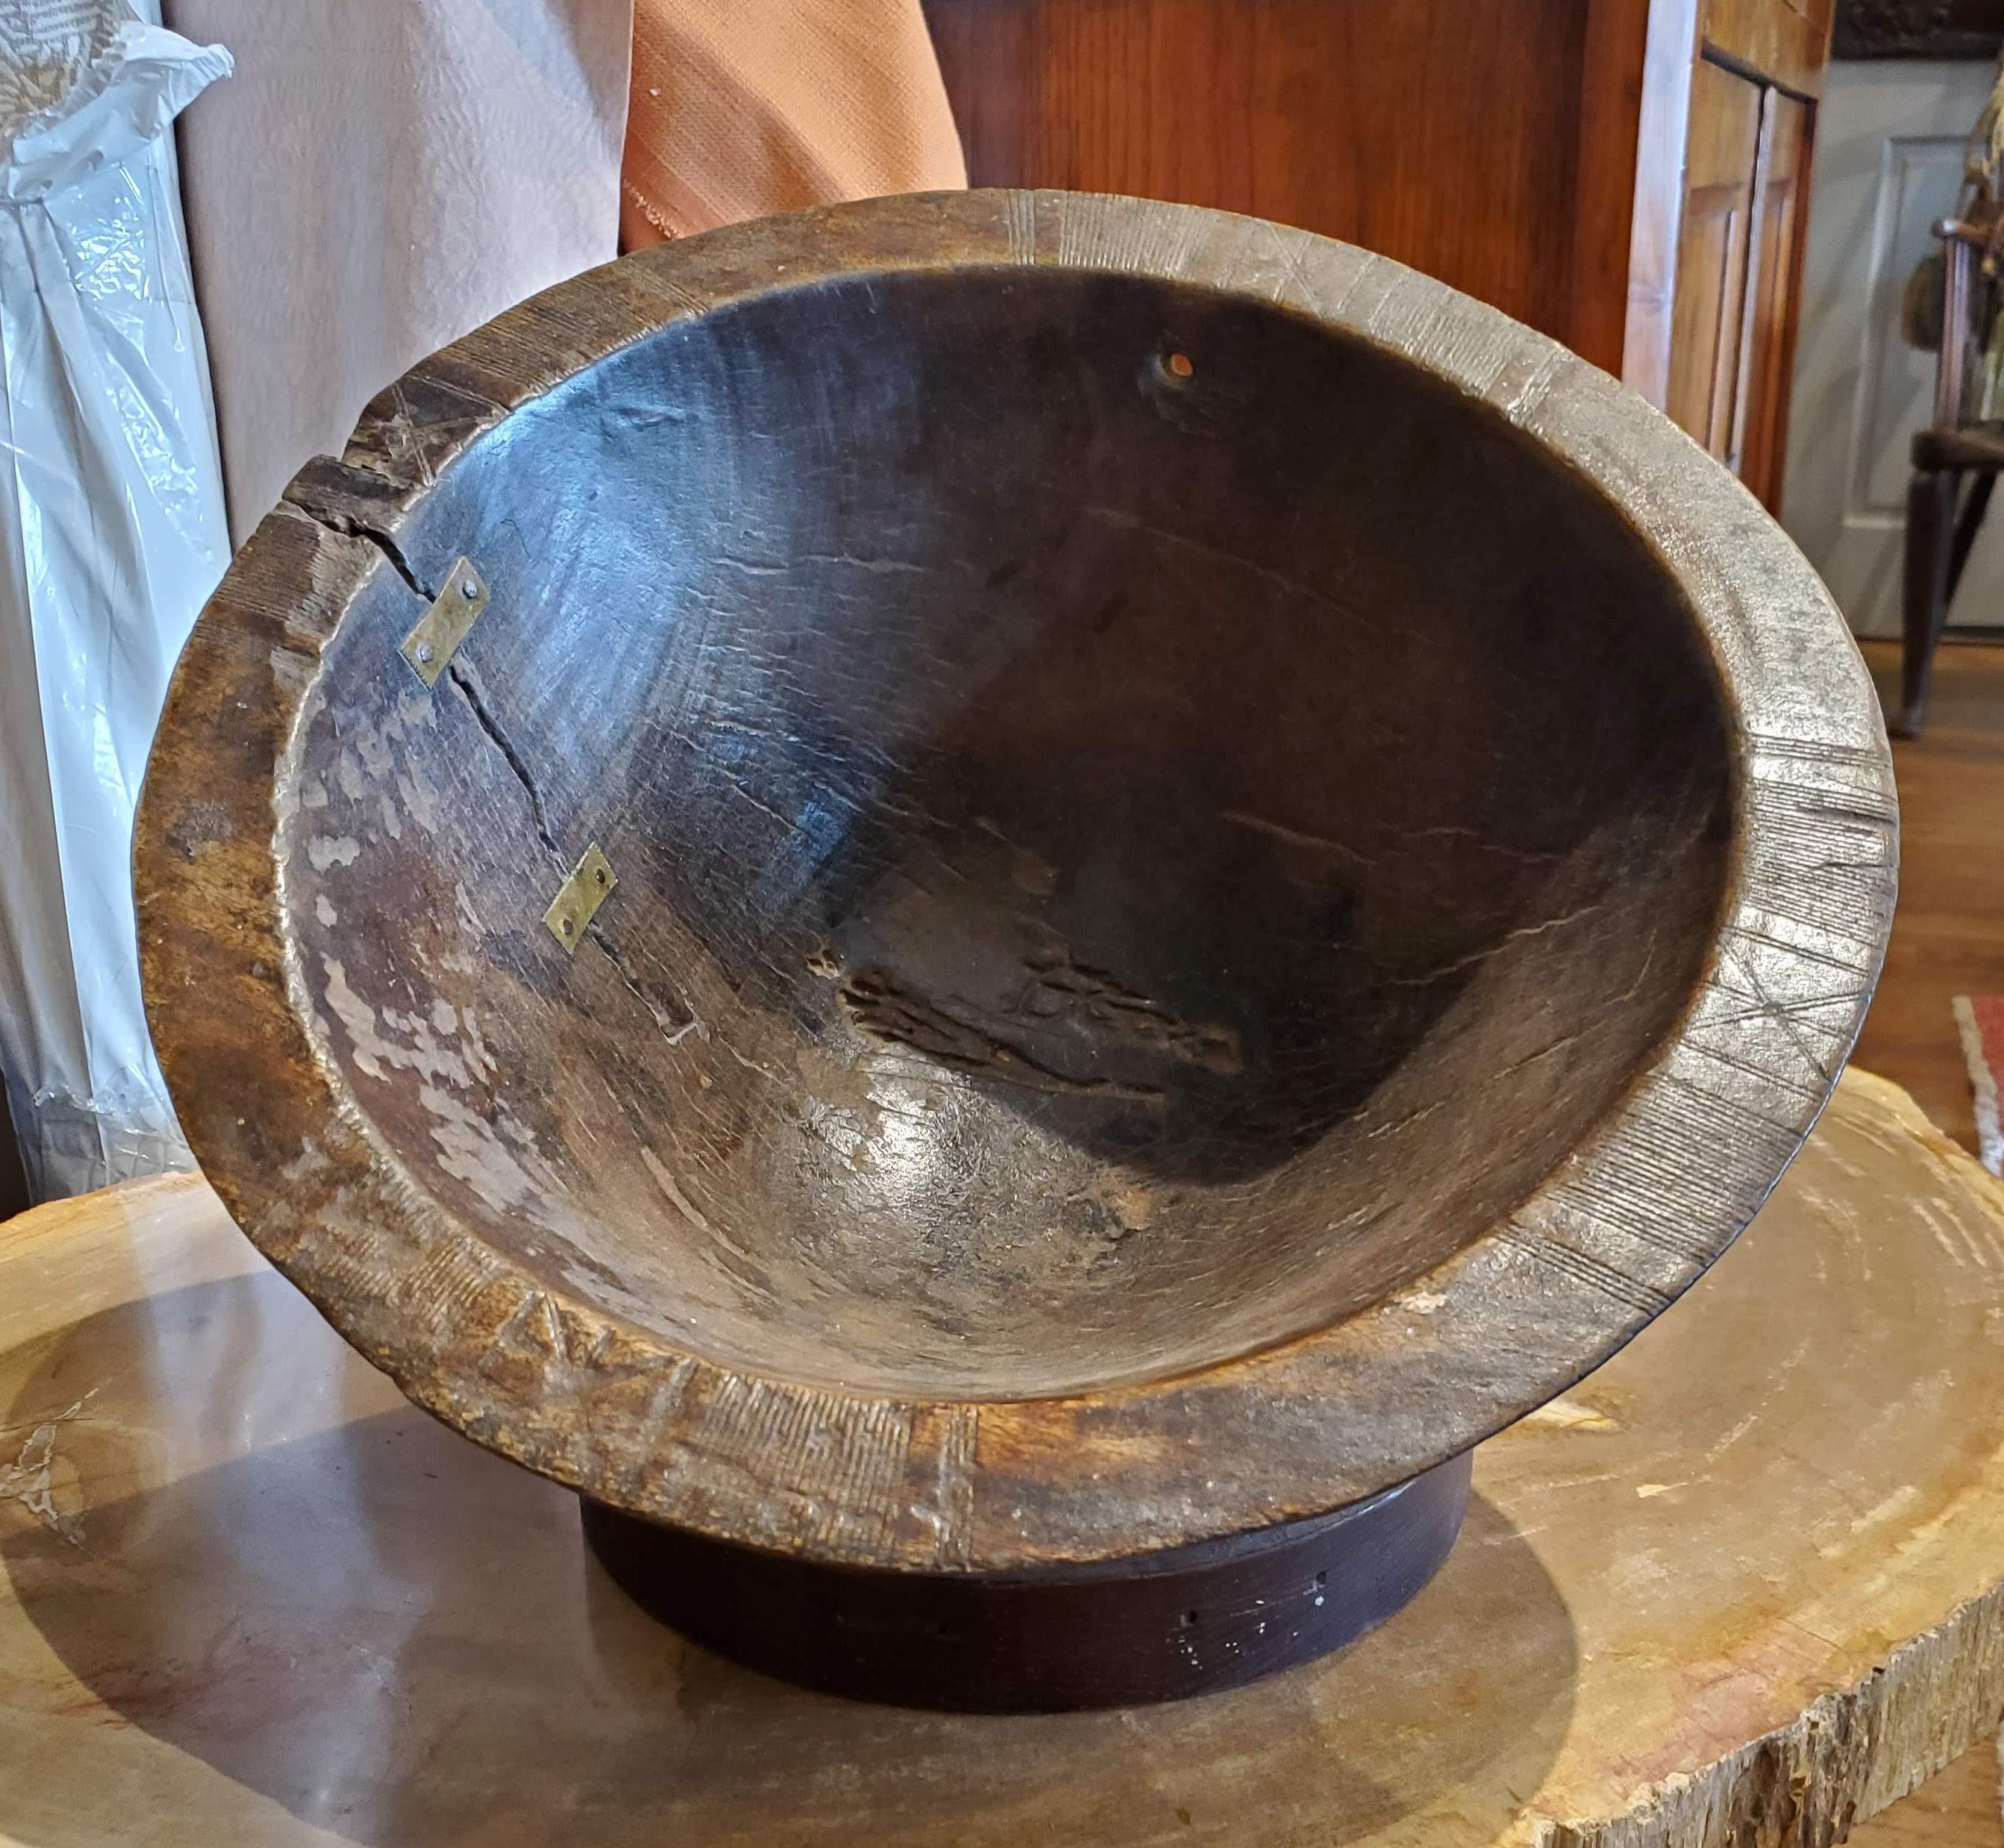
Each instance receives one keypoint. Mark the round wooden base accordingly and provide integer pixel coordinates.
(1120, 1633)
(1744, 1586)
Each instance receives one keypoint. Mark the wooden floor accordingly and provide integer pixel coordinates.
(1948, 940)
(1956, 1810)
(1948, 934)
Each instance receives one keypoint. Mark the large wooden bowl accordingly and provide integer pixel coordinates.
(982, 884)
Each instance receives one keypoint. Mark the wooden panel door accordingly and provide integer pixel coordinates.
(1786, 42)
(1709, 308)
(1887, 163)
(1775, 290)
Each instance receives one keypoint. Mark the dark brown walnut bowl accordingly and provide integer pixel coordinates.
(1222, 869)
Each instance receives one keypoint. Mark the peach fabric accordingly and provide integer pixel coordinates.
(741, 107)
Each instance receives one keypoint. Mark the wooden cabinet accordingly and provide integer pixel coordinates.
(1422, 128)
(1626, 175)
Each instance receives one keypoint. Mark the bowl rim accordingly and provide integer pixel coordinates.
(1631, 1218)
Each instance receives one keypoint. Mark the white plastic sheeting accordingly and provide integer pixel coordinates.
(112, 533)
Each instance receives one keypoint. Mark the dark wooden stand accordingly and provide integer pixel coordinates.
(1120, 1633)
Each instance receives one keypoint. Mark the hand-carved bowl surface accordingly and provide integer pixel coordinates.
(1229, 869)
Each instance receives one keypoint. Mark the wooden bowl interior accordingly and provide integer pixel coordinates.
(1142, 826)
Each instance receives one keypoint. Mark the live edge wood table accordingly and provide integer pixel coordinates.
(1743, 1585)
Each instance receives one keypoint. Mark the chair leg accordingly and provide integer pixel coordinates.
(1968, 523)
(1931, 498)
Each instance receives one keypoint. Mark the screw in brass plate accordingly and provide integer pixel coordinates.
(579, 897)
(436, 636)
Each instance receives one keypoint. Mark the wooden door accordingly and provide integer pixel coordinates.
(1773, 294)
(1888, 163)
(1709, 308)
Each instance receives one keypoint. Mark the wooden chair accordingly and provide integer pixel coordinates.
(1942, 517)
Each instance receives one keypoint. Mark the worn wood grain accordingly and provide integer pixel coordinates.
(690, 1272)
(1718, 1595)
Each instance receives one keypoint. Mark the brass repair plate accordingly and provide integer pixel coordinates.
(579, 897)
(437, 633)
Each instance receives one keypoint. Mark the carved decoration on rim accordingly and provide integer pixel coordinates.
(1648, 1201)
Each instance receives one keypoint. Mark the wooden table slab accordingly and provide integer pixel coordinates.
(1742, 1585)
